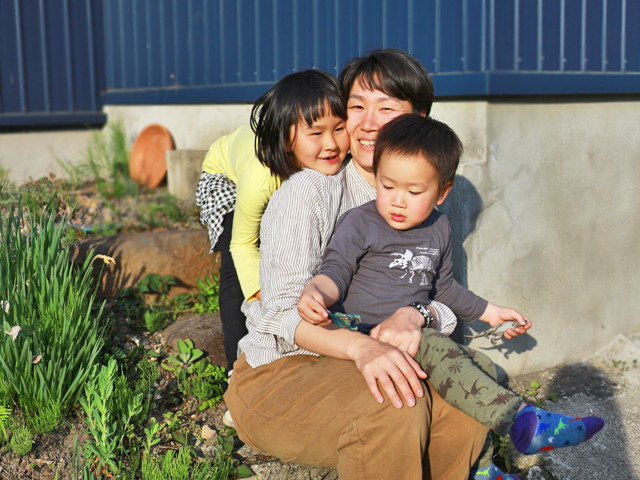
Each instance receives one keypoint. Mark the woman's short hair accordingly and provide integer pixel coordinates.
(393, 72)
(303, 96)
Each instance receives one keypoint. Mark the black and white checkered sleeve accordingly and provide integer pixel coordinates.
(216, 196)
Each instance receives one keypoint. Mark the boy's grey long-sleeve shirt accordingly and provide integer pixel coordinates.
(379, 269)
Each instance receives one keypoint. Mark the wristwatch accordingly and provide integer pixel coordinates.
(425, 312)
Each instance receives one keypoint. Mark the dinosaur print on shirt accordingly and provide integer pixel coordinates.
(419, 264)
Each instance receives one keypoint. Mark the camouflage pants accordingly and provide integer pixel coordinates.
(466, 380)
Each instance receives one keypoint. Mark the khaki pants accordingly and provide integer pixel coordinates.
(319, 411)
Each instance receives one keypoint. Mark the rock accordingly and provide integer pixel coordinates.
(184, 254)
(207, 432)
(205, 331)
(277, 470)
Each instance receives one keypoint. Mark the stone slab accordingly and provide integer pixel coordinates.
(183, 172)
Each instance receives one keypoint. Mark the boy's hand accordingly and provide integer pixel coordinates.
(495, 315)
(311, 307)
(403, 330)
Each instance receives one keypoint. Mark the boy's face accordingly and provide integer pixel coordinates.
(367, 111)
(407, 188)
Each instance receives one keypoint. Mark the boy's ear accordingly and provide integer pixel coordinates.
(445, 191)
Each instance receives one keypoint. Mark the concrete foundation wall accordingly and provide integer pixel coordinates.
(550, 224)
(33, 155)
(191, 126)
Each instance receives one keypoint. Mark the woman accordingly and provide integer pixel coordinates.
(330, 410)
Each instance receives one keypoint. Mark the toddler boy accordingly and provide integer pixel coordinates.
(396, 251)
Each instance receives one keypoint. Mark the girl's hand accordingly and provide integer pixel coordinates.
(495, 315)
(403, 330)
(394, 369)
(311, 307)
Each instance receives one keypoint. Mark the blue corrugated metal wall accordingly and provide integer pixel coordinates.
(61, 59)
(51, 62)
(191, 51)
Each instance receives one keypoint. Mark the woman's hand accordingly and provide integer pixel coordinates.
(403, 330)
(394, 369)
(495, 315)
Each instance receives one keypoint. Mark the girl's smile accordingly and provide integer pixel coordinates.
(321, 146)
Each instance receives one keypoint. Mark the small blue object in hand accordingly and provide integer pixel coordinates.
(345, 320)
(351, 321)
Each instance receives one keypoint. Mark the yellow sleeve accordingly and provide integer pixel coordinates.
(253, 189)
(230, 153)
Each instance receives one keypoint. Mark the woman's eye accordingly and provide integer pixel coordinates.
(386, 188)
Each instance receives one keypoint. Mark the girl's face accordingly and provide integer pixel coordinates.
(322, 146)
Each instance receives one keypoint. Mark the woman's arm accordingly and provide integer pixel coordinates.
(377, 361)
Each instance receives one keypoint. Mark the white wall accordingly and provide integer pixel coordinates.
(556, 199)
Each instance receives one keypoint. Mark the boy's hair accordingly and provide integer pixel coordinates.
(393, 72)
(299, 96)
(413, 134)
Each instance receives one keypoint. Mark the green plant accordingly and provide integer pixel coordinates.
(156, 284)
(52, 303)
(21, 440)
(535, 385)
(206, 384)
(150, 434)
(225, 452)
(163, 210)
(106, 163)
(620, 364)
(184, 361)
(108, 434)
(6, 392)
(79, 468)
(46, 419)
(168, 467)
(501, 452)
(207, 298)
(171, 420)
(155, 320)
(4, 415)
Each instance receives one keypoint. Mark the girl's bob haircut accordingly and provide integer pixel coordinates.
(303, 96)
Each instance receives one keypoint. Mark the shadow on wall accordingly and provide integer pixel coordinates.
(463, 207)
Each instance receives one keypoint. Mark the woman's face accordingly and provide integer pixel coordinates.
(367, 111)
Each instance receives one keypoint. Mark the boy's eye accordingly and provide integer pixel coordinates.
(415, 193)
(386, 188)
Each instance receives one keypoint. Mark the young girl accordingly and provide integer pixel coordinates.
(299, 123)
